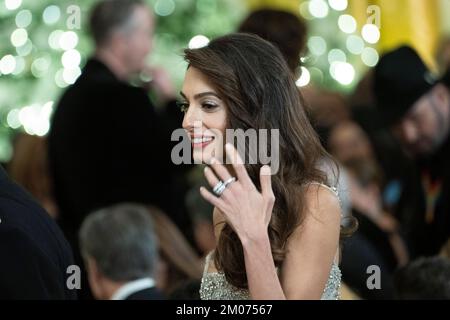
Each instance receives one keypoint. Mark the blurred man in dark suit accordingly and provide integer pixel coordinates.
(107, 144)
(119, 246)
(34, 255)
(415, 105)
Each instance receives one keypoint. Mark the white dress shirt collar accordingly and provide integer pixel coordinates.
(132, 287)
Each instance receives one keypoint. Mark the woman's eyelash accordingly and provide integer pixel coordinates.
(209, 105)
(183, 106)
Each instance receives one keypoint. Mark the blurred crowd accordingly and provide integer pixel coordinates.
(136, 221)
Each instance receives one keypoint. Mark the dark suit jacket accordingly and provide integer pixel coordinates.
(146, 294)
(427, 238)
(107, 145)
(34, 255)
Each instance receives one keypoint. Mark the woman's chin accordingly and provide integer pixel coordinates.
(201, 156)
(204, 155)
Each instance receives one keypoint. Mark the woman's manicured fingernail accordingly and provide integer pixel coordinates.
(265, 170)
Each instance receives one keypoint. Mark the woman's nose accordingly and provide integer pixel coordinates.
(192, 119)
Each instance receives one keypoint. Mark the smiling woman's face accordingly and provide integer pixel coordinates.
(205, 116)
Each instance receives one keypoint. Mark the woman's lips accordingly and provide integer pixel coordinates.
(201, 142)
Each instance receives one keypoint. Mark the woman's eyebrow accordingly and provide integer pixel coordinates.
(202, 94)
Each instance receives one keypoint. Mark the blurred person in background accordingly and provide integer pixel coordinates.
(347, 141)
(288, 32)
(120, 249)
(107, 144)
(394, 164)
(178, 263)
(283, 29)
(29, 168)
(200, 212)
(415, 106)
(424, 279)
(34, 255)
(445, 251)
(326, 109)
(377, 240)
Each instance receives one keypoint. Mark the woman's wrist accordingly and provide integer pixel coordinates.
(255, 240)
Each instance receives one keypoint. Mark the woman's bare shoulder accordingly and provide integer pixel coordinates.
(322, 201)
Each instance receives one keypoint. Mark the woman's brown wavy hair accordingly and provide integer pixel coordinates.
(253, 79)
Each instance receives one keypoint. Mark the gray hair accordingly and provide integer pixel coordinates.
(109, 16)
(122, 242)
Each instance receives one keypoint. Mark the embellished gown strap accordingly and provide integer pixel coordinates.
(214, 285)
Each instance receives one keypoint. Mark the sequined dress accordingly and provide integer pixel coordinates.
(214, 285)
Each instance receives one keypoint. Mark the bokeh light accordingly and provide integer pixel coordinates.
(338, 5)
(7, 64)
(355, 44)
(318, 8)
(370, 57)
(342, 72)
(68, 40)
(54, 39)
(51, 15)
(317, 45)
(12, 4)
(304, 78)
(20, 66)
(34, 118)
(12, 119)
(304, 10)
(371, 33)
(336, 55)
(19, 37)
(59, 80)
(347, 23)
(71, 59)
(40, 66)
(164, 7)
(71, 75)
(198, 41)
(25, 49)
(24, 18)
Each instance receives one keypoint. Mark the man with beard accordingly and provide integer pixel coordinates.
(416, 107)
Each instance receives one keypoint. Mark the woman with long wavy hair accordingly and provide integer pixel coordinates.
(277, 230)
